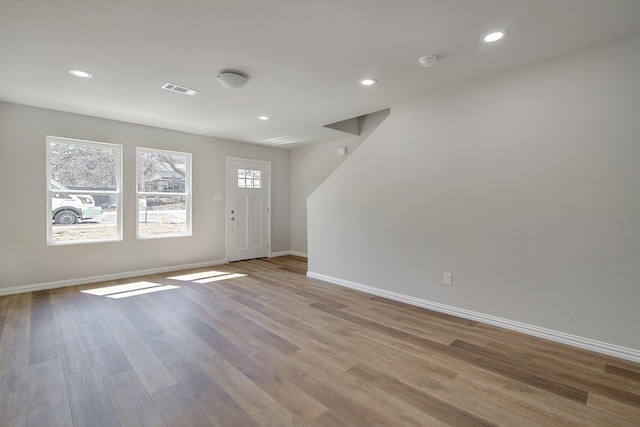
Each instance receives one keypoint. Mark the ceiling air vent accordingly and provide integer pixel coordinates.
(180, 89)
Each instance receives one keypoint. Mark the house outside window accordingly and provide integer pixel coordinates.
(163, 193)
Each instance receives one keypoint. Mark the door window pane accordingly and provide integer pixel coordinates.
(249, 178)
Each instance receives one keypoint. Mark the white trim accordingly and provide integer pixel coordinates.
(95, 279)
(283, 253)
(556, 336)
(276, 254)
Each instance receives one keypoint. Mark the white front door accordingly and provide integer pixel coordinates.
(248, 208)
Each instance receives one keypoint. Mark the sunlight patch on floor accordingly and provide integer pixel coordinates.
(196, 276)
(129, 289)
(207, 276)
(218, 278)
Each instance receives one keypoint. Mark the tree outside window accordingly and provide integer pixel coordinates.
(83, 191)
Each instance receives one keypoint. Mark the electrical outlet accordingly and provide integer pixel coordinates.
(447, 279)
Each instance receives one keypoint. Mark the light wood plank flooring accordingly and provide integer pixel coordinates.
(256, 343)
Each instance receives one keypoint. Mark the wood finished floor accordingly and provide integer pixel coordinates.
(255, 343)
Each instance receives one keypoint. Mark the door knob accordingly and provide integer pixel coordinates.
(233, 218)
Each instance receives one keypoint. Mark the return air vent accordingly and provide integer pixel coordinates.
(180, 89)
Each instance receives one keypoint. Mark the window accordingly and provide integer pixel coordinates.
(83, 191)
(248, 178)
(164, 193)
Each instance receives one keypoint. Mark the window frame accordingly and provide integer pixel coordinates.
(187, 194)
(49, 140)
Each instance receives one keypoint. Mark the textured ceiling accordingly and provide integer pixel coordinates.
(304, 57)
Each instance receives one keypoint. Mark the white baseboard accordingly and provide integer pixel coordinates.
(94, 279)
(283, 253)
(561, 337)
(276, 254)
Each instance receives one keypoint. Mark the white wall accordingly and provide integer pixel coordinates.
(25, 258)
(525, 185)
(311, 165)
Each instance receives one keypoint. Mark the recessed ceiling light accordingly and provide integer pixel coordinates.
(368, 82)
(494, 36)
(263, 118)
(80, 73)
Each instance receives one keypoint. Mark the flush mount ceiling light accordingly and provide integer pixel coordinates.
(494, 36)
(428, 61)
(80, 73)
(263, 118)
(368, 82)
(232, 79)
